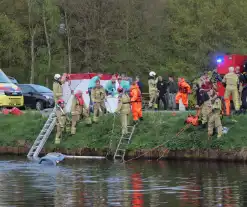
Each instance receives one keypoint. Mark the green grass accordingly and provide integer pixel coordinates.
(157, 128)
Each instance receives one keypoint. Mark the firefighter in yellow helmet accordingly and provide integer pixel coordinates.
(61, 120)
(78, 109)
(153, 91)
(231, 82)
(57, 87)
(214, 120)
(123, 109)
(98, 98)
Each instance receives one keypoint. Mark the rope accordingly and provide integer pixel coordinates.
(182, 130)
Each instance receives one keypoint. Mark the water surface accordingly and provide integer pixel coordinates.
(139, 183)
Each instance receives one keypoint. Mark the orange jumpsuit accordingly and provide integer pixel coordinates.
(183, 91)
(136, 102)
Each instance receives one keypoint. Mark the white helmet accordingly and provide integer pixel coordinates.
(152, 74)
(57, 76)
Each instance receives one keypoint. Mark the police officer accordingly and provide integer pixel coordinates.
(78, 109)
(57, 87)
(231, 82)
(123, 109)
(98, 99)
(61, 120)
(153, 91)
(214, 120)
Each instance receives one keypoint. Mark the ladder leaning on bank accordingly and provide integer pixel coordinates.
(123, 143)
(43, 136)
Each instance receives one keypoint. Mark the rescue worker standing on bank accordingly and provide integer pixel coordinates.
(162, 89)
(110, 86)
(78, 110)
(57, 87)
(136, 102)
(123, 109)
(61, 120)
(124, 84)
(183, 91)
(92, 84)
(98, 99)
(153, 91)
(214, 120)
(205, 106)
(231, 82)
(172, 89)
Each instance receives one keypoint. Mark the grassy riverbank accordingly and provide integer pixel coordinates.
(156, 128)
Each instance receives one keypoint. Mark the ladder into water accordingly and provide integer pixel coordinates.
(43, 136)
(123, 143)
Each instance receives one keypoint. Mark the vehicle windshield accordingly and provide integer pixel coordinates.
(4, 78)
(41, 89)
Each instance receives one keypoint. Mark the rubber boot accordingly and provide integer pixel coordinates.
(177, 107)
(141, 118)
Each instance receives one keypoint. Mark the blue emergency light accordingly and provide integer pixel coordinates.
(219, 59)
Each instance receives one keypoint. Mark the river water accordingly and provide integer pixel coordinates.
(139, 183)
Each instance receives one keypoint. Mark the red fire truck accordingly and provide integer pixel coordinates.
(223, 64)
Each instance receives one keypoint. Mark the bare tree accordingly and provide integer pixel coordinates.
(32, 32)
(69, 39)
(47, 41)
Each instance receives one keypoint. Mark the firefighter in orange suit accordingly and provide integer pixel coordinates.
(183, 90)
(136, 102)
(231, 82)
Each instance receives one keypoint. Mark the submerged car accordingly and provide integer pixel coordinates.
(37, 97)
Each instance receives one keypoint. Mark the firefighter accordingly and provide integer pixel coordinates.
(153, 91)
(214, 120)
(123, 109)
(92, 84)
(231, 82)
(61, 120)
(98, 99)
(78, 109)
(57, 87)
(183, 91)
(205, 105)
(136, 102)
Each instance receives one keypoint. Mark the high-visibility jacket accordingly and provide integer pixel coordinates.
(184, 87)
(231, 80)
(135, 94)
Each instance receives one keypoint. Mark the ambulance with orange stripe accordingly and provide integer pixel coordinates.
(10, 94)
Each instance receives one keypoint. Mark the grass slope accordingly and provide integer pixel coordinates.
(157, 128)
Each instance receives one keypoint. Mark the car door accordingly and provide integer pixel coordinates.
(28, 93)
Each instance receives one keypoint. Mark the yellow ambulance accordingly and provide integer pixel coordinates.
(10, 94)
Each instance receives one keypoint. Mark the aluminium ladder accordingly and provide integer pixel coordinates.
(43, 136)
(123, 143)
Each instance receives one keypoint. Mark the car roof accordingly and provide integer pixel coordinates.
(32, 85)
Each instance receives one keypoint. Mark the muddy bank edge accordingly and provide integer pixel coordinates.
(207, 154)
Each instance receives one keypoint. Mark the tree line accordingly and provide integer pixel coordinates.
(43, 37)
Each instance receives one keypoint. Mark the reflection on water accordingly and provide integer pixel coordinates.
(103, 183)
